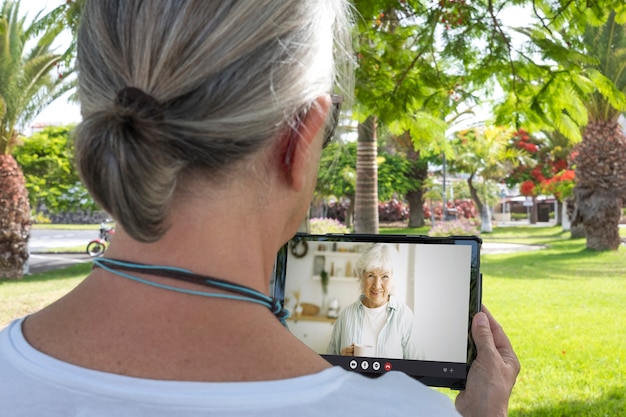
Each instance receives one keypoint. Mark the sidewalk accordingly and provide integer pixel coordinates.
(43, 262)
(491, 248)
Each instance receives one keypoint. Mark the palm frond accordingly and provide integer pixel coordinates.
(28, 81)
(607, 43)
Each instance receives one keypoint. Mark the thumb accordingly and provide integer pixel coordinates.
(481, 332)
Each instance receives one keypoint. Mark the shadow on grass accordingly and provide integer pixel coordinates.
(611, 404)
(73, 271)
(526, 234)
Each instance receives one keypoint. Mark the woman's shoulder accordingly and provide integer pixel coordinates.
(399, 305)
(416, 399)
(354, 306)
(348, 313)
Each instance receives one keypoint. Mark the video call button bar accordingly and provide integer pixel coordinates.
(415, 368)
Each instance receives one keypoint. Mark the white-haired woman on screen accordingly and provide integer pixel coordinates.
(377, 320)
(203, 126)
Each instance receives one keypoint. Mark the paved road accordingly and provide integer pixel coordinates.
(39, 262)
(42, 239)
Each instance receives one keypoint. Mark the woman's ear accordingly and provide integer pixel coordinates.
(302, 148)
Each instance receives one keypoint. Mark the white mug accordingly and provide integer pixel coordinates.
(364, 350)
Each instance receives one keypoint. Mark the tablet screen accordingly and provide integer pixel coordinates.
(375, 303)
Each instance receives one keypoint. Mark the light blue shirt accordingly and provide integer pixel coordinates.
(397, 331)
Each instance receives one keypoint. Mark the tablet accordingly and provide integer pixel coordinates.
(376, 303)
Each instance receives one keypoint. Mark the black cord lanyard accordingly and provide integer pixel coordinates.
(238, 292)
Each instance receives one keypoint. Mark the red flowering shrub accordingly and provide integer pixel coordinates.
(561, 185)
(544, 176)
(522, 140)
(537, 174)
(528, 188)
(392, 211)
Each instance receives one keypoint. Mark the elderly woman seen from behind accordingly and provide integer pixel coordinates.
(203, 126)
(377, 319)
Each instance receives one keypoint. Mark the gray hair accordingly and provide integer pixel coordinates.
(223, 79)
(380, 256)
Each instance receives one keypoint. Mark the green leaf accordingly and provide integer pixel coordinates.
(568, 127)
(616, 98)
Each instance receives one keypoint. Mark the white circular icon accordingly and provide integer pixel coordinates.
(365, 365)
(353, 364)
(376, 366)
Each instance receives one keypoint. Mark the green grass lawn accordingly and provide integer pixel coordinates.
(35, 291)
(563, 308)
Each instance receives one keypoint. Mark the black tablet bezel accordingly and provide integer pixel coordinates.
(428, 372)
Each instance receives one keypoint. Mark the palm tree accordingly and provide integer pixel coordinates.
(600, 189)
(366, 193)
(29, 81)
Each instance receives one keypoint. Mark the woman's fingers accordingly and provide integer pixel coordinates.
(493, 372)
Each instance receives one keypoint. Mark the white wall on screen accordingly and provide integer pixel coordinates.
(441, 300)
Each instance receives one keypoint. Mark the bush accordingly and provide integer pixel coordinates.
(392, 211)
(40, 218)
(519, 216)
(397, 210)
(462, 227)
(337, 210)
(322, 226)
(465, 209)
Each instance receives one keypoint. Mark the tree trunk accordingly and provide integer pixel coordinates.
(15, 219)
(600, 183)
(533, 211)
(558, 215)
(366, 195)
(599, 211)
(415, 198)
(483, 209)
(350, 212)
(576, 230)
(485, 220)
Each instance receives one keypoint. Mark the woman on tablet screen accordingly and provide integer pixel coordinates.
(203, 126)
(377, 324)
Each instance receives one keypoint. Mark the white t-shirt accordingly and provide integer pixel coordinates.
(373, 323)
(35, 384)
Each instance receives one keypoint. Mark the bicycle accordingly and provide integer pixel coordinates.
(97, 246)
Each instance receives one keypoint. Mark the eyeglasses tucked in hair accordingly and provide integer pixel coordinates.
(334, 121)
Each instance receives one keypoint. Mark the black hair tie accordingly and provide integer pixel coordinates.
(136, 99)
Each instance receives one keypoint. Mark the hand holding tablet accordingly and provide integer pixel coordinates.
(495, 369)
